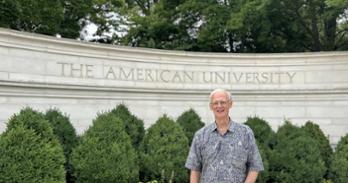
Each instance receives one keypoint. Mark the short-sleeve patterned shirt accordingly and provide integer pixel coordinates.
(224, 158)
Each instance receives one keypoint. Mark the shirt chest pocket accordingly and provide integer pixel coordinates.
(238, 156)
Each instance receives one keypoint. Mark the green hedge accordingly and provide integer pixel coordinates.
(265, 138)
(190, 123)
(262, 131)
(163, 152)
(296, 157)
(134, 126)
(29, 151)
(105, 153)
(325, 150)
(34, 120)
(66, 134)
(339, 164)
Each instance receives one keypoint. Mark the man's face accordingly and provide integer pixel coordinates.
(220, 105)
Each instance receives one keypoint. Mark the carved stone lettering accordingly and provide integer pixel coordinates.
(135, 74)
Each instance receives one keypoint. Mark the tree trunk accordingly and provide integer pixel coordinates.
(330, 33)
(315, 32)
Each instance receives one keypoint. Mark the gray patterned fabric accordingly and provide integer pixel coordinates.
(224, 158)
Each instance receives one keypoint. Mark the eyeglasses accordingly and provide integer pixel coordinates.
(222, 103)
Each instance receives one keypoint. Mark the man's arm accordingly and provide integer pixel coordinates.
(251, 177)
(195, 175)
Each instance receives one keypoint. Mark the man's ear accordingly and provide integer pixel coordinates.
(210, 106)
(231, 104)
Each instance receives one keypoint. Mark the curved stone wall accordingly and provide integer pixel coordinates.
(83, 79)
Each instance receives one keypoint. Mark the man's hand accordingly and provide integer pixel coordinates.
(251, 177)
(195, 176)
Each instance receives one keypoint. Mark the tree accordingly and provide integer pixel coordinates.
(63, 17)
(190, 123)
(27, 157)
(339, 164)
(63, 129)
(208, 24)
(39, 16)
(336, 26)
(157, 24)
(33, 120)
(265, 153)
(262, 131)
(296, 157)
(163, 152)
(288, 131)
(109, 16)
(238, 26)
(105, 153)
(66, 134)
(134, 126)
(314, 131)
(75, 16)
(309, 25)
(30, 152)
(265, 138)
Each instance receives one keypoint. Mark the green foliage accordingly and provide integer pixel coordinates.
(296, 157)
(164, 152)
(314, 131)
(327, 181)
(239, 26)
(288, 131)
(107, 16)
(33, 120)
(265, 153)
(66, 134)
(265, 138)
(133, 125)
(153, 181)
(39, 16)
(105, 153)
(208, 24)
(63, 129)
(55, 16)
(193, 25)
(157, 26)
(190, 123)
(339, 163)
(29, 150)
(74, 17)
(262, 131)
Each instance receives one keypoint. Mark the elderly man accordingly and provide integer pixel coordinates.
(224, 151)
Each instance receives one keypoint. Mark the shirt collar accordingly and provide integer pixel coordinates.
(214, 126)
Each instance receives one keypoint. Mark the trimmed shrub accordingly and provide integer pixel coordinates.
(29, 150)
(163, 152)
(264, 176)
(288, 131)
(265, 138)
(314, 131)
(105, 153)
(262, 131)
(190, 123)
(66, 134)
(63, 129)
(339, 164)
(34, 120)
(133, 125)
(296, 157)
